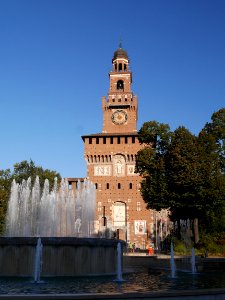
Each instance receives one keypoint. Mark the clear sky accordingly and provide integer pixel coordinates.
(54, 62)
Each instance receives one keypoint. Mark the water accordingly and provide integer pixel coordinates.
(60, 212)
(193, 267)
(134, 282)
(119, 277)
(172, 262)
(38, 261)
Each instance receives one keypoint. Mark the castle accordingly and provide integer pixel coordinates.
(110, 157)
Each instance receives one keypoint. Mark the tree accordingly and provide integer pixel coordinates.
(151, 164)
(183, 172)
(184, 179)
(5, 182)
(212, 139)
(25, 169)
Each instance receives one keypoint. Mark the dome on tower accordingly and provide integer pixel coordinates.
(120, 53)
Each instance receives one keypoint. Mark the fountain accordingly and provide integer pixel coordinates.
(38, 261)
(172, 261)
(61, 243)
(54, 230)
(193, 266)
(58, 213)
(119, 277)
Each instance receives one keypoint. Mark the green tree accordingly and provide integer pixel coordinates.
(25, 169)
(212, 139)
(184, 177)
(151, 164)
(5, 183)
(183, 172)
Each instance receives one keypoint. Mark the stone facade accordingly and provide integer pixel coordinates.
(110, 157)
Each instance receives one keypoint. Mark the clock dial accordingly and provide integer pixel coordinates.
(119, 117)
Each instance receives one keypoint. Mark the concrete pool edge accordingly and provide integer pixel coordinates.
(206, 294)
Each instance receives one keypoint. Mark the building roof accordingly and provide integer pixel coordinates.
(120, 53)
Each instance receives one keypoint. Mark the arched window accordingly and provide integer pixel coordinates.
(119, 85)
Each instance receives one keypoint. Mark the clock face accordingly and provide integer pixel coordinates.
(119, 117)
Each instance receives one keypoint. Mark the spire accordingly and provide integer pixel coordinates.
(120, 44)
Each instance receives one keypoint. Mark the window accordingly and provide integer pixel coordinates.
(130, 185)
(118, 140)
(111, 140)
(97, 140)
(119, 186)
(90, 140)
(138, 206)
(104, 140)
(107, 186)
(126, 140)
(120, 67)
(96, 185)
(99, 206)
(133, 139)
(119, 85)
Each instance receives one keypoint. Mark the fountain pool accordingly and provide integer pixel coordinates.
(141, 282)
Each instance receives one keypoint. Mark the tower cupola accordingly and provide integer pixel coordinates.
(120, 60)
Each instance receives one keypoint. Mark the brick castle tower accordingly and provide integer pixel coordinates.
(110, 158)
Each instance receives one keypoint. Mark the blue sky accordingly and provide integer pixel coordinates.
(54, 62)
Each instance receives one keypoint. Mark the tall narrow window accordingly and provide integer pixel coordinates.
(130, 185)
(133, 139)
(99, 206)
(97, 140)
(90, 140)
(119, 186)
(119, 85)
(104, 140)
(96, 185)
(138, 206)
(125, 139)
(111, 140)
(118, 140)
(107, 186)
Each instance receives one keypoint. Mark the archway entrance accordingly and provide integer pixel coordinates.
(120, 220)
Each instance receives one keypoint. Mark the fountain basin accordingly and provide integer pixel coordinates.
(61, 256)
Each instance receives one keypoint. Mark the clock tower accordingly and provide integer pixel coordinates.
(110, 157)
(120, 109)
